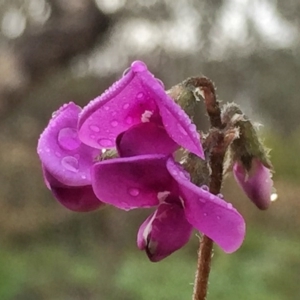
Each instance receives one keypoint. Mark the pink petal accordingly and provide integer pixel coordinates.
(257, 183)
(175, 120)
(208, 213)
(117, 109)
(164, 232)
(133, 182)
(145, 138)
(62, 153)
(136, 98)
(79, 198)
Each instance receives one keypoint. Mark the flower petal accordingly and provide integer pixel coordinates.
(257, 183)
(61, 152)
(133, 182)
(79, 198)
(208, 213)
(117, 109)
(136, 98)
(175, 120)
(164, 232)
(146, 138)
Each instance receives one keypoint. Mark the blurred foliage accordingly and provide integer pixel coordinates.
(54, 51)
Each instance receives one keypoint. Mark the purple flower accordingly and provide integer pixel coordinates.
(66, 161)
(135, 99)
(157, 180)
(257, 183)
(146, 127)
(74, 138)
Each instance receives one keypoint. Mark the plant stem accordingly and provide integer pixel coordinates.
(216, 148)
(186, 95)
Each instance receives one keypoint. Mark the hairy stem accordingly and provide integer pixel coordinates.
(215, 150)
(187, 95)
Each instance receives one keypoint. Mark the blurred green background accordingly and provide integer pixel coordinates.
(54, 51)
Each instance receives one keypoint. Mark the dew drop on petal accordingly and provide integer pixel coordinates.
(140, 95)
(105, 142)
(126, 105)
(92, 136)
(106, 107)
(138, 66)
(126, 72)
(211, 197)
(133, 192)
(202, 200)
(70, 163)
(68, 139)
(47, 150)
(83, 176)
(205, 188)
(95, 128)
(114, 123)
(129, 120)
(220, 196)
(229, 206)
(182, 130)
(160, 82)
(218, 217)
(57, 154)
(193, 127)
(205, 214)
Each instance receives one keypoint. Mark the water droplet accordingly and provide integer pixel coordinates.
(114, 123)
(202, 200)
(205, 188)
(160, 82)
(68, 139)
(95, 128)
(140, 95)
(129, 120)
(83, 176)
(274, 197)
(106, 107)
(220, 196)
(218, 217)
(54, 114)
(134, 192)
(105, 142)
(138, 66)
(57, 154)
(92, 136)
(47, 150)
(229, 206)
(126, 72)
(211, 197)
(182, 130)
(70, 163)
(205, 214)
(126, 105)
(193, 127)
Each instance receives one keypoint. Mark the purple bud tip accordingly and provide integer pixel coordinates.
(257, 183)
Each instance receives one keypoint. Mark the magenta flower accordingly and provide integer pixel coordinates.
(135, 99)
(66, 161)
(157, 180)
(144, 178)
(146, 127)
(257, 183)
(73, 139)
